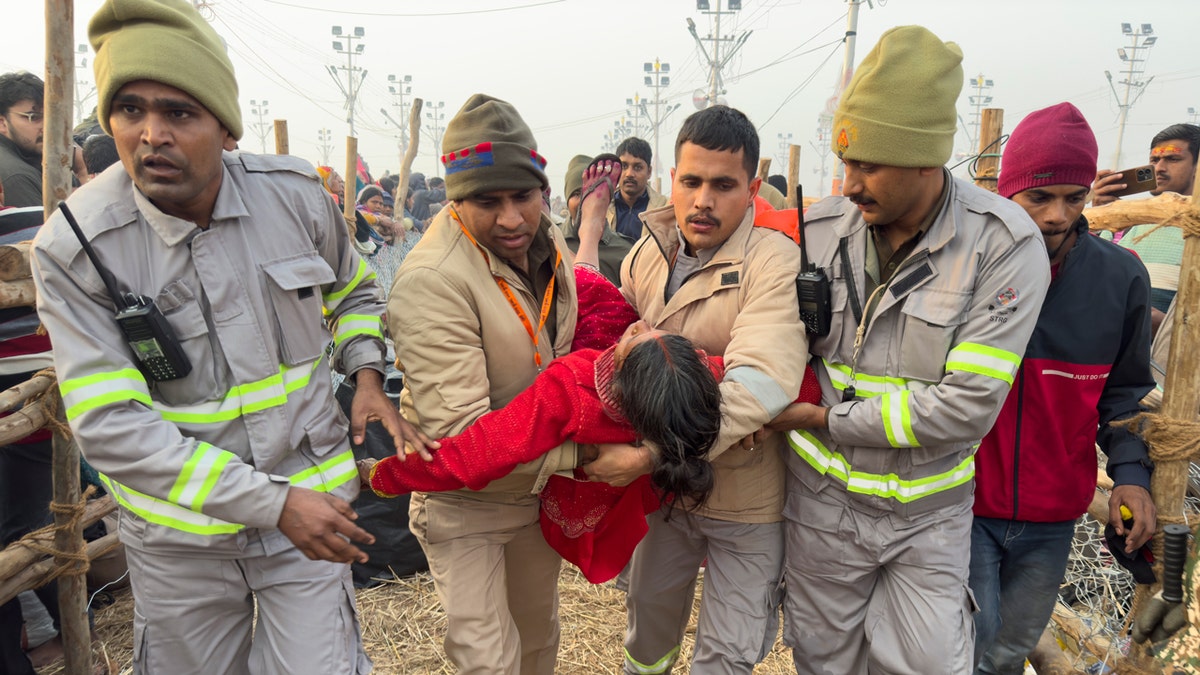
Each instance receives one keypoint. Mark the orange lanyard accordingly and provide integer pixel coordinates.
(547, 298)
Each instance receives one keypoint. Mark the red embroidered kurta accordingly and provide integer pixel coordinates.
(595, 526)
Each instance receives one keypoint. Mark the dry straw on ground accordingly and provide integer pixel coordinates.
(403, 626)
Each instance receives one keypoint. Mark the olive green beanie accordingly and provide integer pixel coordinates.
(166, 41)
(575, 169)
(488, 147)
(899, 108)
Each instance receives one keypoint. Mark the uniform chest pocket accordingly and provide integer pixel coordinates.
(184, 313)
(930, 320)
(294, 290)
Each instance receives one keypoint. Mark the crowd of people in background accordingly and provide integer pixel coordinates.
(910, 511)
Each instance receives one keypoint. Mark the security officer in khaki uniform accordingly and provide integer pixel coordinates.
(482, 303)
(233, 475)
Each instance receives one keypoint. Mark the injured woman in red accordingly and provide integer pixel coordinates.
(624, 382)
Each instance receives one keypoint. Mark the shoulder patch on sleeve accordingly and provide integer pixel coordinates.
(268, 163)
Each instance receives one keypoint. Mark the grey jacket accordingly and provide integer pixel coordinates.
(20, 174)
(937, 358)
(201, 465)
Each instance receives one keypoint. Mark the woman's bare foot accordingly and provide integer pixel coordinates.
(599, 181)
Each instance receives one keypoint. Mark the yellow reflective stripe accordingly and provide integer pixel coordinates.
(82, 394)
(164, 513)
(972, 357)
(199, 475)
(897, 421)
(333, 299)
(244, 398)
(349, 325)
(866, 385)
(887, 486)
(197, 480)
(661, 666)
(328, 475)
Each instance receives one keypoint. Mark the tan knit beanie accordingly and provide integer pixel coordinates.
(489, 147)
(165, 41)
(899, 108)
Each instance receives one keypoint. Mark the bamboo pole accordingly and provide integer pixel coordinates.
(68, 541)
(990, 130)
(281, 138)
(58, 149)
(793, 175)
(28, 550)
(39, 574)
(14, 261)
(764, 167)
(410, 153)
(348, 195)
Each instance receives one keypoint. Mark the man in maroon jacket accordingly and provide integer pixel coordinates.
(1086, 365)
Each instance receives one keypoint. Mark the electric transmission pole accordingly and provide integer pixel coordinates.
(1142, 38)
(978, 100)
(351, 88)
(657, 78)
(435, 117)
(83, 88)
(719, 58)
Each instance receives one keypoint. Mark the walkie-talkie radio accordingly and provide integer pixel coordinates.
(159, 355)
(812, 286)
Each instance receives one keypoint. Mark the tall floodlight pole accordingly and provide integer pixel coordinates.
(325, 136)
(83, 88)
(785, 142)
(634, 110)
(351, 88)
(435, 117)
(401, 86)
(658, 79)
(1193, 116)
(1141, 39)
(719, 58)
(847, 73)
(261, 129)
(823, 147)
(978, 100)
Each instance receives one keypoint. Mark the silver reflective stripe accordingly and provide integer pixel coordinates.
(762, 387)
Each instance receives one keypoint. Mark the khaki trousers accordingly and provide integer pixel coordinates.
(497, 579)
(195, 615)
(739, 608)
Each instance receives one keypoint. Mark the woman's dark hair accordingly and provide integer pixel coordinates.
(670, 397)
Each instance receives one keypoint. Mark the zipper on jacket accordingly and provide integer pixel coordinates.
(1017, 441)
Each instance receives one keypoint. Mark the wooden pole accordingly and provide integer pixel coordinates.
(410, 153)
(57, 149)
(990, 129)
(27, 551)
(281, 138)
(1181, 395)
(764, 167)
(793, 175)
(348, 195)
(39, 574)
(68, 541)
(1048, 658)
(14, 261)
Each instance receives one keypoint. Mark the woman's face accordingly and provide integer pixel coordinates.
(375, 204)
(637, 333)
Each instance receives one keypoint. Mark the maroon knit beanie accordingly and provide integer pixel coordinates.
(1052, 146)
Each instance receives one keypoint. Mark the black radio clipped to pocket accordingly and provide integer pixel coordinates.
(812, 285)
(156, 349)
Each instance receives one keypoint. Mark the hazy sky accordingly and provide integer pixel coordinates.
(570, 65)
